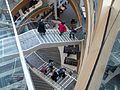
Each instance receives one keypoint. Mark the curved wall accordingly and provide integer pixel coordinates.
(93, 44)
(22, 3)
(75, 7)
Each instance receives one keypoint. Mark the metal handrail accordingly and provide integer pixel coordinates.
(44, 77)
(44, 4)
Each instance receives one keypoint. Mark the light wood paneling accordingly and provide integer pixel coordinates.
(39, 11)
(21, 4)
(90, 60)
(104, 57)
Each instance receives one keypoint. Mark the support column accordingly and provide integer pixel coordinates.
(21, 12)
(80, 60)
(55, 9)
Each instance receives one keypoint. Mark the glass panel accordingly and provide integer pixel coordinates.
(0, 48)
(9, 46)
(12, 76)
(111, 78)
(15, 64)
(13, 3)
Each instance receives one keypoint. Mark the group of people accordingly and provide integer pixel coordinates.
(61, 27)
(55, 74)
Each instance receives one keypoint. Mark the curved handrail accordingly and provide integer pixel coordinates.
(14, 3)
(81, 12)
(32, 11)
(76, 9)
(48, 25)
(89, 27)
(44, 77)
(18, 19)
(18, 6)
(23, 16)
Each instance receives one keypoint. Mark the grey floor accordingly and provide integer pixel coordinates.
(50, 53)
(67, 15)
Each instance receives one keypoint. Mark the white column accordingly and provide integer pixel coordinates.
(22, 59)
(55, 8)
(21, 12)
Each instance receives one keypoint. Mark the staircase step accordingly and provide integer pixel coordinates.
(39, 83)
(64, 80)
(44, 65)
(67, 82)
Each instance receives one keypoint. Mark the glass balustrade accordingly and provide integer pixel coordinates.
(12, 76)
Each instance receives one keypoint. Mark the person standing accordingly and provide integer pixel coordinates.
(72, 33)
(50, 65)
(41, 27)
(61, 72)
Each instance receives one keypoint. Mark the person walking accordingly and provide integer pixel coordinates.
(41, 27)
(61, 26)
(50, 65)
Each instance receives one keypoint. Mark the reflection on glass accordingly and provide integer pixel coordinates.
(111, 78)
(11, 71)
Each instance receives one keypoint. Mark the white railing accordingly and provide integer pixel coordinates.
(47, 79)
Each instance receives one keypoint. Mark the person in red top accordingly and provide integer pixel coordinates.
(61, 26)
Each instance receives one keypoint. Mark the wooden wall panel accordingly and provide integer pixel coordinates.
(89, 62)
(104, 57)
(21, 4)
(39, 11)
